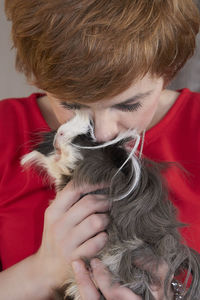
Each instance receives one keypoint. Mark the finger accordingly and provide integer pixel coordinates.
(86, 286)
(89, 228)
(110, 291)
(158, 290)
(83, 208)
(92, 246)
(68, 196)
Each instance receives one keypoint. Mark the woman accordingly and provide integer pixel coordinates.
(114, 59)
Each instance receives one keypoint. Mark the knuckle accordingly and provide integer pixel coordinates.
(55, 230)
(93, 204)
(90, 202)
(103, 236)
(98, 221)
(99, 243)
(68, 192)
(114, 296)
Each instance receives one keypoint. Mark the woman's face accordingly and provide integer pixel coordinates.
(135, 108)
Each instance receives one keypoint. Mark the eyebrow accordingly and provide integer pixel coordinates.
(127, 101)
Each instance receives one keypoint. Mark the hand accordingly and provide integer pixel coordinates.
(102, 278)
(88, 291)
(158, 291)
(73, 228)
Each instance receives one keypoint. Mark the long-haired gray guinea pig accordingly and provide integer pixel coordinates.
(143, 232)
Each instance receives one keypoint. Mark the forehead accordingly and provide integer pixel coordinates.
(138, 90)
(142, 86)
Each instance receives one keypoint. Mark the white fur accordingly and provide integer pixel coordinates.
(61, 163)
(79, 124)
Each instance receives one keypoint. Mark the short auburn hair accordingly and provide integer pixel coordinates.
(87, 50)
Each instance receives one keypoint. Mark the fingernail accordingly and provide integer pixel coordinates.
(76, 266)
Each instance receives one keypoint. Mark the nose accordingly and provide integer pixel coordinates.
(105, 127)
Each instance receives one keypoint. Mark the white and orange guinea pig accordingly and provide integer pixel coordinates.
(143, 232)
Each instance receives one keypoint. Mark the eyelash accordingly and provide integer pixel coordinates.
(130, 107)
(127, 107)
(70, 106)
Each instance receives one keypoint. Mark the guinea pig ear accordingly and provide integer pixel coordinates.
(34, 158)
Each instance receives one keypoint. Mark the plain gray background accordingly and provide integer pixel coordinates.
(13, 84)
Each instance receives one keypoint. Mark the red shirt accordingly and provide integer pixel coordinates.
(24, 195)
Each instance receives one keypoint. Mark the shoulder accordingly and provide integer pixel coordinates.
(19, 117)
(14, 117)
(178, 118)
(170, 98)
(189, 105)
(19, 113)
(16, 107)
(185, 118)
(186, 95)
(20, 123)
(13, 109)
(182, 102)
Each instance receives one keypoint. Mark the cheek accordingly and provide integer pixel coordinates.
(141, 118)
(63, 115)
(146, 117)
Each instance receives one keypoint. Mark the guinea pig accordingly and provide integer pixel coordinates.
(143, 233)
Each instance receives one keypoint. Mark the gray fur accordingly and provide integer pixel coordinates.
(143, 232)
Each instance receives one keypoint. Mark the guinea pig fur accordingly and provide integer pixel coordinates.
(143, 232)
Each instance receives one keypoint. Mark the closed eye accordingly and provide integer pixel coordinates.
(72, 106)
(129, 107)
(122, 107)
